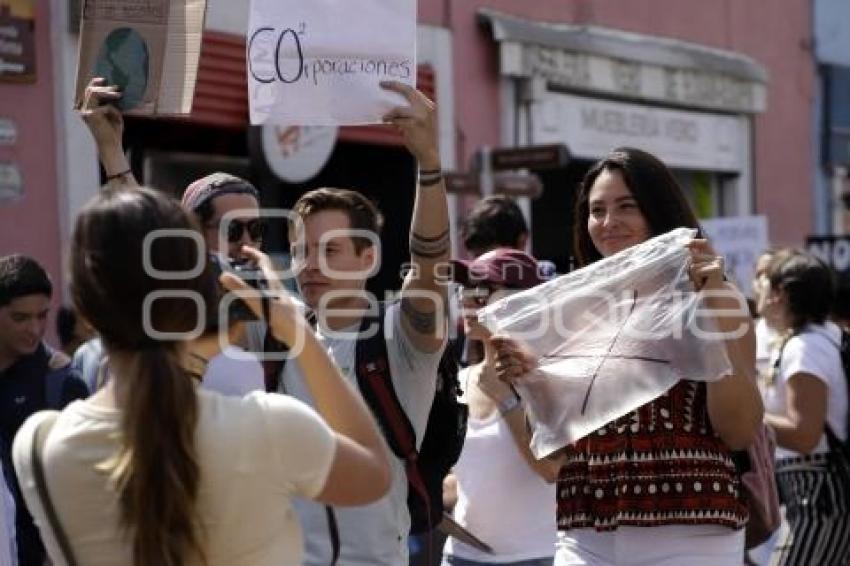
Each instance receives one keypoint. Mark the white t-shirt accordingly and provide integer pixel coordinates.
(766, 342)
(374, 534)
(234, 372)
(814, 351)
(7, 524)
(255, 453)
(500, 499)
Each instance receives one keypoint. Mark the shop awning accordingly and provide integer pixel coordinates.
(624, 45)
(624, 64)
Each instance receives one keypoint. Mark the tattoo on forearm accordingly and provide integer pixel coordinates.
(421, 321)
(430, 246)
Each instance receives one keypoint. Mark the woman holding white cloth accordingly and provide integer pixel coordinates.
(657, 486)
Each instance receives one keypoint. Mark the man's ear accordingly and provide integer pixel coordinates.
(369, 258)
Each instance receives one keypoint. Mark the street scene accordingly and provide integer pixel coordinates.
(424, 282)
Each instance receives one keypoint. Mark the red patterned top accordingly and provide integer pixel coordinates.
(662, 464)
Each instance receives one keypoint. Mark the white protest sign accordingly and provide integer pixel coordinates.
(740, 240)
(320, 62)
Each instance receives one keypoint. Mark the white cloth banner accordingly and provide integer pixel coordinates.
(320, 62)
(609, 338)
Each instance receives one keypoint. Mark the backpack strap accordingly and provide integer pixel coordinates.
(36, 460)
(376, 385)
(375, 382)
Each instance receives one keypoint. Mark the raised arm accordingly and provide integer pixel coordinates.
(734, 402)
(423, 297)
(801, 426)
(106, 125)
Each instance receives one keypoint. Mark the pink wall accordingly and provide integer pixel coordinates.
(31, 224)
(776, 33)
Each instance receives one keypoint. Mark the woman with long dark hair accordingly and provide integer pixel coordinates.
(658, 485)
(153, 471)
(805, 396)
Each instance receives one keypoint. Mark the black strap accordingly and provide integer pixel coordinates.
(376, 386)
(272, 368)
(333, 529)
(37, 450)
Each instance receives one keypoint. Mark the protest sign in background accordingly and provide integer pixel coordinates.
(834, 250)
(319, 63)
(740, 240)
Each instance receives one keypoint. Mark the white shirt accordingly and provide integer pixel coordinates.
(374, 534)
(234, 372)
(500, 499)
(766, 342)
(255, 453)
(814, 351)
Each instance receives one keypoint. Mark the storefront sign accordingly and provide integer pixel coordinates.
(689, 140)
(834, 250)
(11, 182)
(690, 87)
(17, 40)
(319, 63)
(504, 183)
(551, 156)
(740, 240)
(297, 153)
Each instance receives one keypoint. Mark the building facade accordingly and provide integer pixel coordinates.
(33, 197)
(721, 91)
(725, 92)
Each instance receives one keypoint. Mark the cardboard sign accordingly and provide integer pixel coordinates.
(149, 48)
(319, 63)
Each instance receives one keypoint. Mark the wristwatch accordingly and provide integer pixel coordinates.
(510, 403)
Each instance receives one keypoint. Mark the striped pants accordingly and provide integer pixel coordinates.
(817, 500)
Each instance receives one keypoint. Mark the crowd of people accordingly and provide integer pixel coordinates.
(172, 430)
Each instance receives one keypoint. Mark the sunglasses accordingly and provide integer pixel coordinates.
(256, 229)
(481, 293)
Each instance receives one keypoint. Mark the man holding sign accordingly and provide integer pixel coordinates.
(335, 248)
